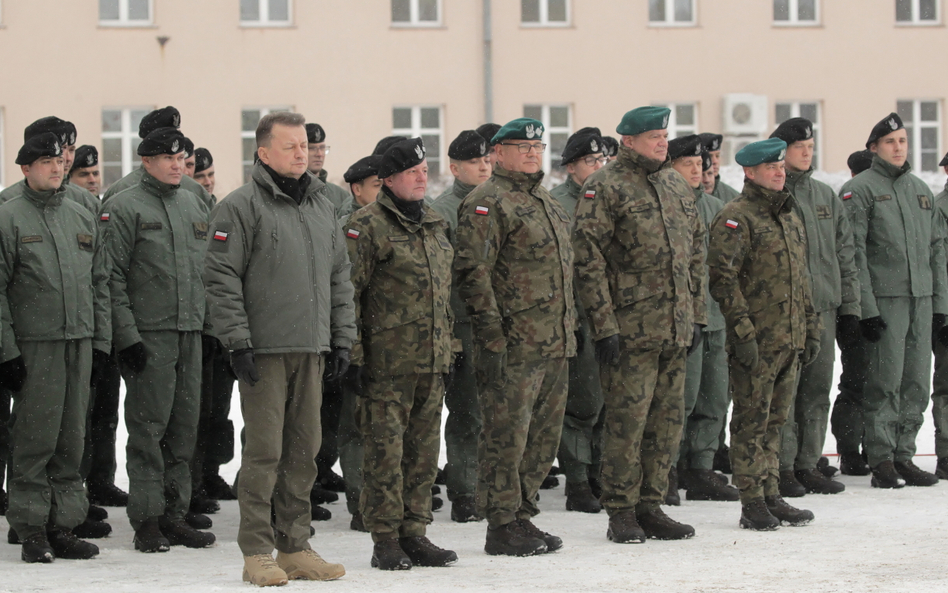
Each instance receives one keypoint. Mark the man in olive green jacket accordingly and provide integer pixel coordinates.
(712, 144)
(903, 281)
(318, 151)
(940, 378)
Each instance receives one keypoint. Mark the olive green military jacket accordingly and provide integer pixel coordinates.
(723, 191)
(640, 254)
(135, 177)
(401, 274)
(834, 279)
(567, 194)
(941, 202)
(157, 235)
(277, 272)
(341, 199)
(447, 205)
(708, 207)
(54, 277)
(900, 244)
(70, 192)
(514, 265)
(757, 261)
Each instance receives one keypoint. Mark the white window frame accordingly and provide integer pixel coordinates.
(544, 7)
(413, 21)
(416, 130)
(916, 125)
(794, 20)
(670, 16)
(817, 125)
(549, 129)
(683, 129)
(128, 134)
(264, 20)
(916, 11)
(123, 20)
(252, 134)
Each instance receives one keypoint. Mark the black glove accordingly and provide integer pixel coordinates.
(134, 357)
(449, 377)
(209, 347)
(939, 329)
(580, 340)
(848, 331)
(355, 379)
(100, 360)
(244, 366)
(872, 328)
(695, 338)
(746, 354)
(607, 350)
(13, 374)
(337, 363)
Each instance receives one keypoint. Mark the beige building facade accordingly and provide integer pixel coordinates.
(365, 69)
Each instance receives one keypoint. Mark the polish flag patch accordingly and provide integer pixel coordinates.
(847, 195)
(220, 236)
(731, 224)
(353, 234)
(482, 210)
(104, 217)
(590, 194)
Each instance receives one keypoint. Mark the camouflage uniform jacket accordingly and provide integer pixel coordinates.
(70, 192)
(723, 191)
(640, 254)
(514, 266)
(708, 207)
(401, 273)
(900, 248)
(758, 274)
(830, 253)
(447, 205)
(135, 177)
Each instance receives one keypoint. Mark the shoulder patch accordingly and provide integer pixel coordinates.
(353, 233)
(104, 217)
(847, 195)
(590, 194)
(731, 224)
(221, 236)
(482, 210)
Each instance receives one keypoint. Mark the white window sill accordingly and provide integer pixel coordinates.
(129, 25)
(277, 25)
(673, 25)
(918, 24)
(418, 26)
(797, 24)
(553, 25)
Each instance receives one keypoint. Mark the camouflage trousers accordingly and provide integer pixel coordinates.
(645, 411)
(580, 452)
(762, 399)
(940, 400)
(706, 402)
(523, 419)
(400, 419)
(464, 421)
(847, 422)
(802, 438)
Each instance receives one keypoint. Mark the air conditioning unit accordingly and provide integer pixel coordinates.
(744, 113)
(732, 145)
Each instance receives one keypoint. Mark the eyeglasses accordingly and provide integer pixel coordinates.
(526, 147)
(323, 149)
(592, 160)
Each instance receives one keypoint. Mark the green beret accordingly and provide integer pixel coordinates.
(770, 150)
(643, 119)
(522, 128)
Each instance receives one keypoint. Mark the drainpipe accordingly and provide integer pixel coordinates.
(488, 66)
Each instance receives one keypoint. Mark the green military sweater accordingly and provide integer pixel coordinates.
(447, 205)
(70, 192)
(135, 177)
(708, 207)
(834, 280)
(900, 243)
(723, 191)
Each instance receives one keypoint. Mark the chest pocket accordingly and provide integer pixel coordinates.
(532, 235)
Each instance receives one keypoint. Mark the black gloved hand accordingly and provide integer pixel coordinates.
(355, 379)
(607, 350)
(209, 347)
(696, 338)
(100, 360)
(13, 374)
(449, 376)
(848, 331)
(134, 357)
(872, 328)
(244, 365)
(337, 363)
(939, 329)
(580, 340)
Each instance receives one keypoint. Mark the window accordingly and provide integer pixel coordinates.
(557, 126)
(125, 12)
(796, 12)
(917, 12)
(249, 118)
(683, 119)
(671, 12)
(120, 142)
(922, 121)
(544, 13)
(266, 13)
(416, 13)
(422, 122)
(809, 110)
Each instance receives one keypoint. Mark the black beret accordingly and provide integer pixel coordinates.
(162, 141)
(188, 148)
(468, 145)
(610, 146)
(166, 117)
(202, 160)
(793, 130)
(402, 156)
(711, 142)
(891, 123)
(488, 131)
(859, 161)
(706, 162)
(944, 161)
(64, 130)
(315, 133)
(386, 143)
(363, 169)
(683, 146)
(584, 142)
(39, 146)
(86, 156)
